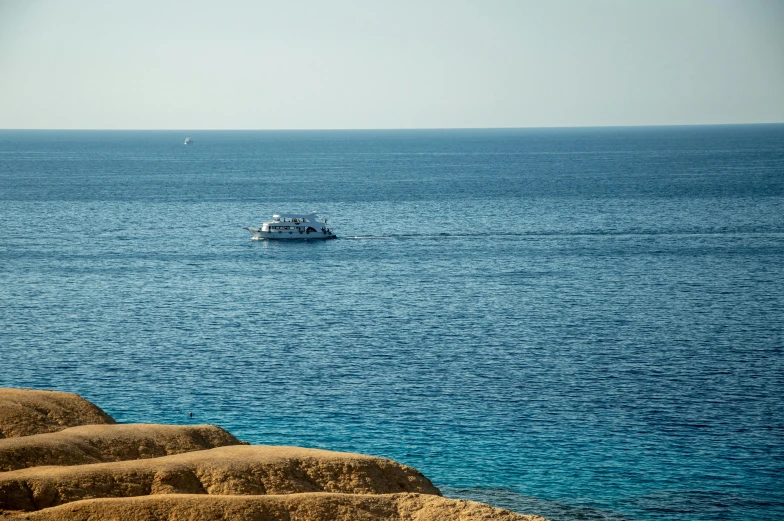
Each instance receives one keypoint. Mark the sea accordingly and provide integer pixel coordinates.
(582, 323)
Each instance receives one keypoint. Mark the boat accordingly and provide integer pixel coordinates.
(188, 141)
(293, 226)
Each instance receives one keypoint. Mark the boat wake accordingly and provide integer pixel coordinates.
(414, 236)
(534, 235)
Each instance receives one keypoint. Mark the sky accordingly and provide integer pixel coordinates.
(356, 64)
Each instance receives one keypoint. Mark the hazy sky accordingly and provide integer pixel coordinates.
(226, 64)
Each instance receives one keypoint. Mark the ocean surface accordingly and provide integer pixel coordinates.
(581, 323)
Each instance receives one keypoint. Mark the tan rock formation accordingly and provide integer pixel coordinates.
(308, 506)
(100, 471)
(104, 443)
(24, 412)
(232, 470)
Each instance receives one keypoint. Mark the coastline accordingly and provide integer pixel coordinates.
(62, 457)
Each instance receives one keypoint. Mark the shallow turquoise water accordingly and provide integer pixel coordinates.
(584, 323)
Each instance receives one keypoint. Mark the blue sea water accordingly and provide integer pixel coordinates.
(580, 323)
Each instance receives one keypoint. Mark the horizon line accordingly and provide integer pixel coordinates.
(336, 129)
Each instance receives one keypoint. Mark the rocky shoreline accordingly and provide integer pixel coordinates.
(63, 458)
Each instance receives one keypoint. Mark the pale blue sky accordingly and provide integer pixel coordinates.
(228, 64)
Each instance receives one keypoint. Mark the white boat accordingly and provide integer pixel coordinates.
(293, 226)
(188, 141)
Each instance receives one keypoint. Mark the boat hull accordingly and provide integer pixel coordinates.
(258, 234)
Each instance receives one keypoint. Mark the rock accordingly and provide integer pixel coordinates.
(56, 470)
(25, 412)
(307, 506)
(104, 443)
(232, 470)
